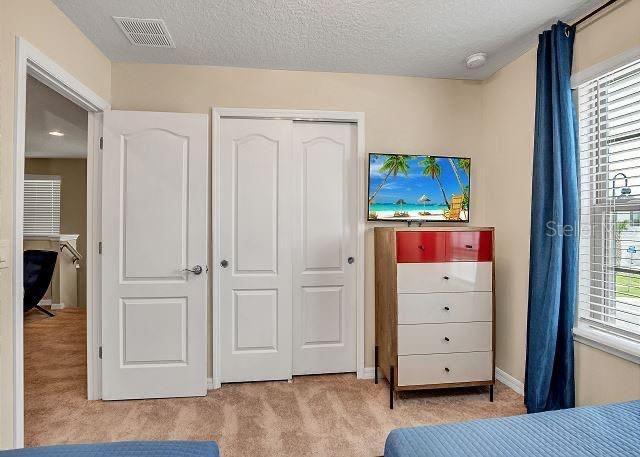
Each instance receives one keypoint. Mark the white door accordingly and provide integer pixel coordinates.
(255, 249)
(324, 236)
(154, 216)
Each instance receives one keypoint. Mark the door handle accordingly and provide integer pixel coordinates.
(351, 260)
(195, 270)
(224, 264)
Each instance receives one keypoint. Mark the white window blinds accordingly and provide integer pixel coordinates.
(41, 205)
(609, 126)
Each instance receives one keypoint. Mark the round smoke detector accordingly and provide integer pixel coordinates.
(476, 60)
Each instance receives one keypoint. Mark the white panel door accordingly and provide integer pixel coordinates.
(255, 249)
(154, 213)
(324, 236)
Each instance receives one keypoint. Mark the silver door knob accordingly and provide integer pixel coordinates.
(351, 260)
(224, 264)
(195, 270)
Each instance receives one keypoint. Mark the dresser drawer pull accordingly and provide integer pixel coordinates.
(421, 247)
(446, 338)
(445, 277)
(468, 246)
(446, 369)
(446, 308)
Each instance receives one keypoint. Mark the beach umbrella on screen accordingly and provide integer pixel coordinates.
(401, 202)
(424, 199)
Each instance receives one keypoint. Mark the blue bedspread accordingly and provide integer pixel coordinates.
(611, 430)
(122, 449)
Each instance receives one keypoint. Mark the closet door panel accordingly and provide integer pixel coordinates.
(324, 237)
(255, 263)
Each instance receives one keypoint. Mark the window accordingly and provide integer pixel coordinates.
(609, 141)
(41, 205)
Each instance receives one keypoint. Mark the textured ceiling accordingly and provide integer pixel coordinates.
(395, 37)
(46, 111)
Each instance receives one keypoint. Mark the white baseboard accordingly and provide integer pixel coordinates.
(210, 384)
(57, 306)
(368, 373)
(509, 381)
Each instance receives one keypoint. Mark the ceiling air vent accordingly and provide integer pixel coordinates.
(145, 32)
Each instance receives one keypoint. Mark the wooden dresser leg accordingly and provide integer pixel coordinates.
(375, 363)
(392, 384)
(491, 393)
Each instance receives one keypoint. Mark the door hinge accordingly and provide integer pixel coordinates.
(101, 142)
(99, 247)
(100, 352)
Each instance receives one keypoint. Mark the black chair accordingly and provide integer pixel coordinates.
(38, 270)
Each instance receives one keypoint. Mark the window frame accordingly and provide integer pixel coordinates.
(610, 339)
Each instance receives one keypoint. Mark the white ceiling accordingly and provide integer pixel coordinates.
(47, 110)
(395, 37)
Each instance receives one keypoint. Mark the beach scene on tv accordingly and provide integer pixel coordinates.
(418, 188)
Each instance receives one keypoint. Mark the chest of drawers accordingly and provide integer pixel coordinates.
(435, 312)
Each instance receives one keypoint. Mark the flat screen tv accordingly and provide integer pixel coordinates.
(422, 188)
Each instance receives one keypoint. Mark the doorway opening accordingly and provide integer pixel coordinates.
(55, 246)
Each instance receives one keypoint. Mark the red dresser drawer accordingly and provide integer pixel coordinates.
(469, 246)
(420, 247)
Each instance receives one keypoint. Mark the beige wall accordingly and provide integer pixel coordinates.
(508, 111)
(411, 115)
(46, 28)
(508, 107)
(73, 205)
(604, 378)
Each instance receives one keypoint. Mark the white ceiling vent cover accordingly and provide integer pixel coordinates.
(146, 32)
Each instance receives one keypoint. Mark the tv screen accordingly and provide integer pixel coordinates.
(419, 188)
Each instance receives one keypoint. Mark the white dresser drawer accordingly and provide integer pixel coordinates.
(444, 338)
(445, 277)
(416, 370)
(444, 307)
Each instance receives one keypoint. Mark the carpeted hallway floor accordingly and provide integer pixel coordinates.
(332, 415)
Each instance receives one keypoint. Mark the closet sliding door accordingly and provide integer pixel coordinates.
(287, 242)
(324, 237)
(255, 247)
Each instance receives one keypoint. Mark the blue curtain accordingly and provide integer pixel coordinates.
(553, 269)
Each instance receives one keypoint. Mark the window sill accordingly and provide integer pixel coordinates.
(619, 347)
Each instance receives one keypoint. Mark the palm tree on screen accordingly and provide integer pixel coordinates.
(394, 165)
(432, 169)
(465, 165)
(455, 172)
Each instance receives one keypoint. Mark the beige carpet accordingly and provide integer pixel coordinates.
(332, 415)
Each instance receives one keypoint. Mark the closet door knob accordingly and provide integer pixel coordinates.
(446, 369)
(351, 260)
(446, 338)
(446, 308)
(445, 277)
(224, 264)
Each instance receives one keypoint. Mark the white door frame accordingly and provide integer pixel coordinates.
(294, 115)
(30, 61)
